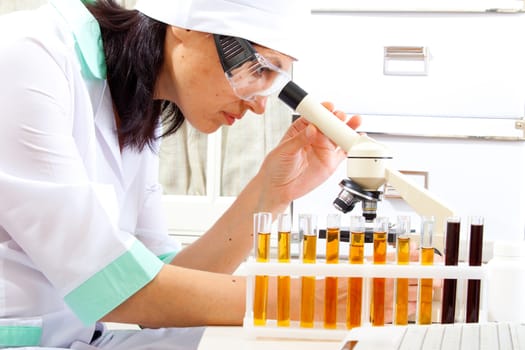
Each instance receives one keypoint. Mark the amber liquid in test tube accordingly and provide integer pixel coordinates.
(377, 307)
(403, 258)
(284, 228)
(448, 302)
(355, 284)
(427, 258)
(333, 223)
(308, 232)
(474, 259)
(262, 231)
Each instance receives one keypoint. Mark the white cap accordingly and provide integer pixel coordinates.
(277, 24)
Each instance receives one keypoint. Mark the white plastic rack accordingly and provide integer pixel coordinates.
(367, 271)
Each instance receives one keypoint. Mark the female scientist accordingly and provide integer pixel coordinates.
(82, 237)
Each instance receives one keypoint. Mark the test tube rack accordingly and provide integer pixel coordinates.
(367, 271)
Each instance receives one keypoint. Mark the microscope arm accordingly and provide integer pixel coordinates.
(420, 199)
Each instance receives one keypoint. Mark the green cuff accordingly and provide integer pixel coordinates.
(114, 284)
(167, 258)
(19, 336)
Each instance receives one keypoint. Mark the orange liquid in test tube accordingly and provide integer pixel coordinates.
(332, 257)
(403, 258)
(377, 310)
(309, 252)
(262, 254)
(427, 258)
(355, 284)
(284, 228)
(401, 307)
(426, 289)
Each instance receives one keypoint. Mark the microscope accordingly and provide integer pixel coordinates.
(368, 165)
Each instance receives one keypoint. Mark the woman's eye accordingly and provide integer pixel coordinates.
(262, 70)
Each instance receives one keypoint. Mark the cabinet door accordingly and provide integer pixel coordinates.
(412, 68)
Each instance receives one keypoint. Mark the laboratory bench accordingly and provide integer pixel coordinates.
(235, 338)
(459, 336)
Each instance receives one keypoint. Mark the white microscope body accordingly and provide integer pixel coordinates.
(368, 164)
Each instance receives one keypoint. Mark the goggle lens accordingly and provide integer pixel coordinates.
(257, 77)
(249, 73)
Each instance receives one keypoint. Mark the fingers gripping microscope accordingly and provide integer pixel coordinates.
(368, 164)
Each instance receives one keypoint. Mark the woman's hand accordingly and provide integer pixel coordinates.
(302, 160)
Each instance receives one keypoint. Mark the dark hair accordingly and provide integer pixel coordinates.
(134, 48)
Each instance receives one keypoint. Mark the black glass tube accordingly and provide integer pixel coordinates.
(448, 303)
(475, 259)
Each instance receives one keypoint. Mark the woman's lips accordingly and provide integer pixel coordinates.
(230, 118)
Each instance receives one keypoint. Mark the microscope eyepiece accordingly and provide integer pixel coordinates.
(292, 94)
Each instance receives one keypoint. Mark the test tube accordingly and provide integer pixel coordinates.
(333, 227)
(284, 228)
(448, 302)
(355, 284)
(474, 259)
(377, 308)
(403, 258)
(308, 232)
(427, 258)
(262, 231)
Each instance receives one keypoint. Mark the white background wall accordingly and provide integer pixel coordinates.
(479, 80)
(12, 5)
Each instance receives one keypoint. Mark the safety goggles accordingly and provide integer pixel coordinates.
(249, 73)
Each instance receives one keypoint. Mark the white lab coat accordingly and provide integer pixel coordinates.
(81, 225)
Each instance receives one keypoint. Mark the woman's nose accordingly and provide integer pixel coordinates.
(258, 104)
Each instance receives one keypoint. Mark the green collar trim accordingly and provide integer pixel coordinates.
(88, 39)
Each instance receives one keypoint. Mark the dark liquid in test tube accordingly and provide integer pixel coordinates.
(473, 288)
(448, 306)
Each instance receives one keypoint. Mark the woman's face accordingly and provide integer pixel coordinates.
(192, 77)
